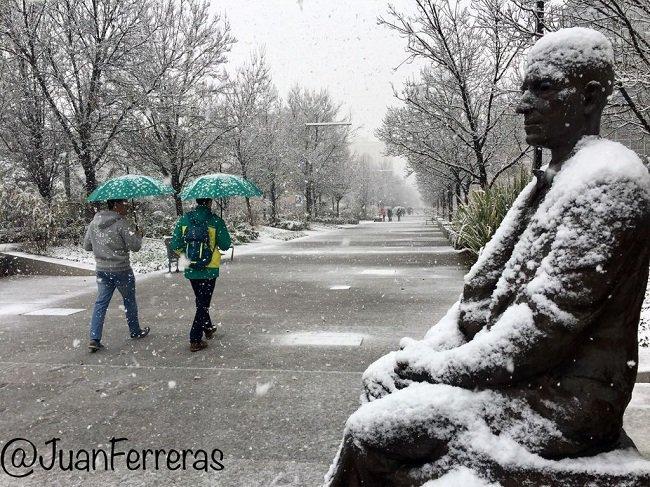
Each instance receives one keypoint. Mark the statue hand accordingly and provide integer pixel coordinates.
(409, 368)
(410, 342)
(379, 378)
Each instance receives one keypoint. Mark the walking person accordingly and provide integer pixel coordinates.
(110, 236)
(389, 212)
(199, 234)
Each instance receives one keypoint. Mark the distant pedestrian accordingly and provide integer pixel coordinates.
(389, 212)
(382, 213)
(110, 236)
(199, 234)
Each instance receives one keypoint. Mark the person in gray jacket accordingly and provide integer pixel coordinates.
(110, 237)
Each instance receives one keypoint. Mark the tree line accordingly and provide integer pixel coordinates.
(92, 88)
(455, 121)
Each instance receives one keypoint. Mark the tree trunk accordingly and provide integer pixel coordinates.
(274, 209)
(249, 208)
(308, 202)
(178, 204)
(66, 177)
(89, 173)
(91, 182)
(176, 185)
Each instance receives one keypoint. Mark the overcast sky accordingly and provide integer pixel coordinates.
(333, 44)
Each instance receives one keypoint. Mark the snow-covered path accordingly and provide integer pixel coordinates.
(299, 321)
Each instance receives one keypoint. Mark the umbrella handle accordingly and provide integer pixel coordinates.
(135, 215)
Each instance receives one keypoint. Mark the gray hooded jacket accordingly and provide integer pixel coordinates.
(110, 237)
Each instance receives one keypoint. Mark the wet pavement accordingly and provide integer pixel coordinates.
(298, 323)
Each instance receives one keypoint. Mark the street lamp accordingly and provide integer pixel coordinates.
(327, 124)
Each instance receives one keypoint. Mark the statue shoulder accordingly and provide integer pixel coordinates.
(602, 163)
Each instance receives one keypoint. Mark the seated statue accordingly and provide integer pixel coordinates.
(538, 359)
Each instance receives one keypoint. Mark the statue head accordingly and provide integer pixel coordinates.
(568, 78)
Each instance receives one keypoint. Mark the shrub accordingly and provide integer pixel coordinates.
(335, 220)
(293, 225)
(242, 232)
(476, 221)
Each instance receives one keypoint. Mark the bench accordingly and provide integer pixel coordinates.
(172, 257)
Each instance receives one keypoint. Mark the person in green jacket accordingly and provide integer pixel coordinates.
(202, 278)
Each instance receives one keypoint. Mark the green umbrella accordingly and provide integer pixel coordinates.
(219, 185)
(129, 187)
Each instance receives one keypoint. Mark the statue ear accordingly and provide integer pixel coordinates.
(595, 97)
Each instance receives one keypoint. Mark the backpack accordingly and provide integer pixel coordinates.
(197, 244)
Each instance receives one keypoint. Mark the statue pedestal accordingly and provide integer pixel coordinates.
(622, 467)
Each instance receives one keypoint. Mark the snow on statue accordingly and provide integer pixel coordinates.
(537, 361)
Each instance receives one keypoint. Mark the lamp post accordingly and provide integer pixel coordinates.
(539, 33)
(309, 191)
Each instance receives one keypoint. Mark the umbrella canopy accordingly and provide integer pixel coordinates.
(219, 185)
(129, 187)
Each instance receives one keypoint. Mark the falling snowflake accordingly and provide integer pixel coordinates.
(263, 389)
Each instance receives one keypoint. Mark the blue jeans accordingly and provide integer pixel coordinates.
(106, 283)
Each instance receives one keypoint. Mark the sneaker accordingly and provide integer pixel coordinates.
(209, 333)
(143, 333)
(196, 346)
(94, 345)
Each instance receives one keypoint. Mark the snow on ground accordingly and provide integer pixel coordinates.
(269, 234)
(151, 257)
(153, 254)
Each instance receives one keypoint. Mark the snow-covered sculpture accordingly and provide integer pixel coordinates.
(536, 363)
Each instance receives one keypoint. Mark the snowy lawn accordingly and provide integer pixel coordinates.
(153, 255)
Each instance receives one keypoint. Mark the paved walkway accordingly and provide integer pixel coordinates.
(299, 322)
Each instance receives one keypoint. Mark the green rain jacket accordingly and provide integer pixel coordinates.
(219, 237)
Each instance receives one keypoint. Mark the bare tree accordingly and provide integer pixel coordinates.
(314, 147)
(464, 87)
(342, 176)
(176, 127)
(249, 99)
(28, 131)
(88, 59)
(627, 24)
(273, 170)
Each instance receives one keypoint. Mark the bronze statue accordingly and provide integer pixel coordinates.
(539, 357)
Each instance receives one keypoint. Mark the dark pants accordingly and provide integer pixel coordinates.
(203, 289)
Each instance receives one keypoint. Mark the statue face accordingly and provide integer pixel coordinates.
(553, 110)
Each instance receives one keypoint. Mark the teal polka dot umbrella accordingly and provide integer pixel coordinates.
(129, 187)
(219, 185)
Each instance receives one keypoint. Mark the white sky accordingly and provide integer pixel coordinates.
(333, 44)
